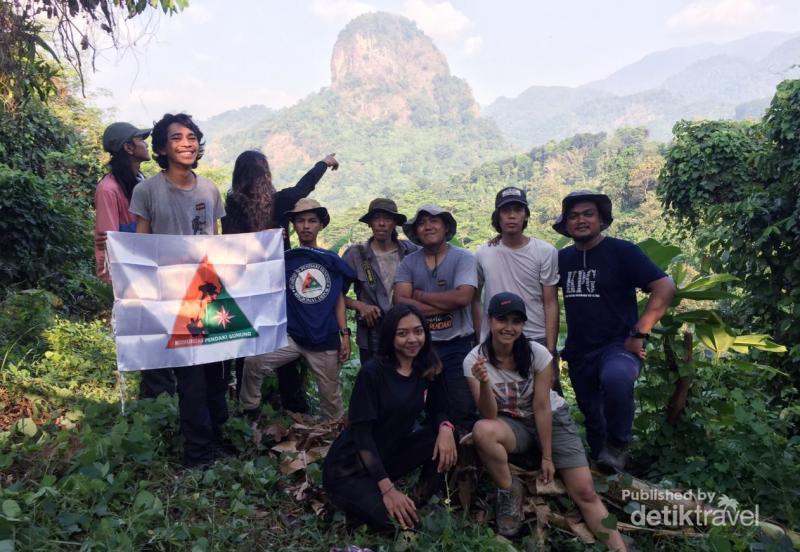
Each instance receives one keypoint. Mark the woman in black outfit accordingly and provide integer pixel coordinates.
(253, 205)
(381, 442)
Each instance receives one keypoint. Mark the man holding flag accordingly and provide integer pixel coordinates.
(178, 201)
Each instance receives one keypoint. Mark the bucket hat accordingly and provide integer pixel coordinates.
(410, 227)
(601, 200)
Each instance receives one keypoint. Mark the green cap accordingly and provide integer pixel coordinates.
(119, 134)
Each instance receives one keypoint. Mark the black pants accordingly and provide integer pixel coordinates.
(157, 381)
(364, 355)
(461, 405)
(291, 387)
(358, 494)
(203, 410)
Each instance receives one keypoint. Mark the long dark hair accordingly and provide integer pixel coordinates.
(121, 169)
(521, 352)
(159, 137)
(248, 206)
(426, 363)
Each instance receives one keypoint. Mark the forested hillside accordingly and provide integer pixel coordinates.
(624, 165)
(393, 112)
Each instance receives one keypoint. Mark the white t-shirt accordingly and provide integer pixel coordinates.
(514, 394)
(522, 271)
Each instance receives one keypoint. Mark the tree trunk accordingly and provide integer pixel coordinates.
(678, 400)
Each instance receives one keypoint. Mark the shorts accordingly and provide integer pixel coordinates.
(568, 451)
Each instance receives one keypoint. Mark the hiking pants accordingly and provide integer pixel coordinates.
(203, 409)
(603, 381)
(461, 405)
(324, 365)
(156, 381)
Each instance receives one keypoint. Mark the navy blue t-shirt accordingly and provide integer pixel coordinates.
(314, 280)
(599, 290)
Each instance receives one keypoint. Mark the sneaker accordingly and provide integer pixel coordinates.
(612, 459)
(509, 508)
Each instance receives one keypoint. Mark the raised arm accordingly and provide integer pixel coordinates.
(480, 386)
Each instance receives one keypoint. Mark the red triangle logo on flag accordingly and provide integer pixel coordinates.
(208, 314)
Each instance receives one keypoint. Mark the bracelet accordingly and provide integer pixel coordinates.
(547, 458)
(387, 490)
(447, 424)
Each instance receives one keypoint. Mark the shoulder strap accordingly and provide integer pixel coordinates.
(372, 280)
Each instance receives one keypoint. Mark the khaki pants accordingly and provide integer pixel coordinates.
(324, 364)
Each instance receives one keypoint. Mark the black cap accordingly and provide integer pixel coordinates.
(508, 195)
(504, 303)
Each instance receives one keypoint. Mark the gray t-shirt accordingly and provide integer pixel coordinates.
(171, 210)
(522, 271)
(457, 268)
(514, 394)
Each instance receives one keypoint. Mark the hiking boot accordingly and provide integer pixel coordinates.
(509, 508)
(612, 459)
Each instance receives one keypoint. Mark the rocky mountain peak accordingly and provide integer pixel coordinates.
(384, 68)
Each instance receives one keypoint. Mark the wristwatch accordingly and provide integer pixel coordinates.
(344, 331)
(635, 333)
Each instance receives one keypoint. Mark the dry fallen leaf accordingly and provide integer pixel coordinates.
(555, 487)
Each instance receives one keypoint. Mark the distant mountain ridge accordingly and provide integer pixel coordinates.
(393, 113)
(730, 80)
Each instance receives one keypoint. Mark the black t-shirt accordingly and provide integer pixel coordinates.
(599, 290)
(383, 408)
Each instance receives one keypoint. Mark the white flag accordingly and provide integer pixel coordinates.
(187, 300)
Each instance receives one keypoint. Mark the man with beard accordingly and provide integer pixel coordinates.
(606, 335)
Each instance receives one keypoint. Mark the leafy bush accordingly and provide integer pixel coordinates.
(47, 179)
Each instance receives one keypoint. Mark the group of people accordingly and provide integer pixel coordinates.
(456, 348)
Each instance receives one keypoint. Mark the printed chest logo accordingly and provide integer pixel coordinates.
(311, 283)
(581, 283)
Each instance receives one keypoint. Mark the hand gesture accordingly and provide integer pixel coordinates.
(370, 313)
(479, 371)
(331, 161)
(547, 470)
(400, 508)
(445, 449)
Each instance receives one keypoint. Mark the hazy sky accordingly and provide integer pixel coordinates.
(224, 54)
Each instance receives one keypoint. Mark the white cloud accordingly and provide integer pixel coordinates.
(437, 19)
(472, 45)
(340, 11)
(730, 13)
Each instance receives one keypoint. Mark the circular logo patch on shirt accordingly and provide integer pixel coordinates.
(311, 283)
